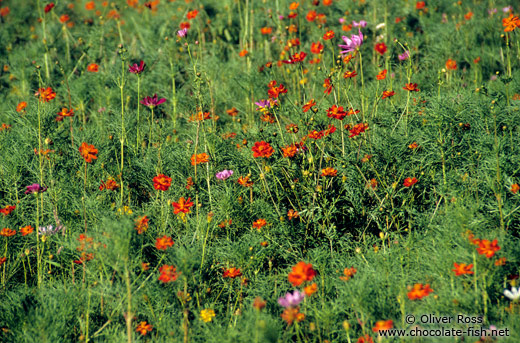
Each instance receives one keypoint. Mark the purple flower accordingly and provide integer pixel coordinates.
(361, 23)
(507, 9)
(35, 188)
(404, 56)
(264, 104)
(48, 230)
(137, 69)
(352, 43)
(152, 101)
(341, 20)
(225, 174)
(492, 11)
(290, 300)
(182, 33)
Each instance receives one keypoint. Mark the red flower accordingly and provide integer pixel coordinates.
(259, 223)
(143, 328)
(309, 105)
(317, 48)
(336, 112)
(411, 87)
(488, 248)
(93, 68)
(141, 224)
(515, 188)
(300, 273)
(409, 181)
(45, 94)
(358, 129)
(168, 273)
(163, 243)
(232, 273)
(88, 151)
(7, 210)
(48, 7)
(419, 291)
(327, 85)
(192, 14)
(383, 325)
(162, 182)
(381, 48)
(381, 75)
(387, 94)
(419, 5)
(262, 149)
(311, 15)
(451, 64)
(182, 206)
(463, 268)
(349, 74)
(328, 35)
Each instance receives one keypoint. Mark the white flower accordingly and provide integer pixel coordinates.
(380, 26)
(513, 294)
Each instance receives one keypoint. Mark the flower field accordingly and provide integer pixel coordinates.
(260, 171)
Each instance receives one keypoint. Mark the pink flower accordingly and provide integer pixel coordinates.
(352, 43)
(361, 23)
(152, 101)
(182, 33)
(137, 69)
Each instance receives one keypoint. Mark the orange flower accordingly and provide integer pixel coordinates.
(328, 35)
(414, 145)
(294, 5)
(292, 214)
(463, 268)
(26, 230)
(7, 210)
(411, 87)
(311, 15)
(143, 328)
(232, 273)
(4, 11)
(349, 74)
(409, 181)
(387, 94)
(309, 105)
(515, 188)
(485, 247)
(327, 2)
(419, 5)
(163, 243)
(110, 185)
(2, 260)
(291, 314)
(21, 106)
(168, 273)
(89, 6)
(327, 85)
(451, 64)
(500, 262)
(64, 18)
(311, 289)
(468, 15)
(162, 182)
(232, 112)
(381, 75)
(266, 30)
(132, 3)
(88, 151)
(243, 53)
(259, 223)
(7, 232)
(510, 23)
(189, 182)
(336, 112)
(45, 94)
(419, 291)
(358, 129)
(300, 273)
(262, 149)
(290, 151)
(348, 272)
(200, 158)
(259, 303)
(365, 339)
(244, 181)
(383, 325)
(141, 224)
(182, 206)
(317, 48)
(329, 172)
(66, 113)
(93, 68)
(192, 14)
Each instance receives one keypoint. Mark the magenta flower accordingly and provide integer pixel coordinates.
(35, 189)
(264, 104)
(291, 300)
(137, 69)
(223, 175)
(152, 101)
(361, 23)
(352, 43)
(182, 33)
(404, 56)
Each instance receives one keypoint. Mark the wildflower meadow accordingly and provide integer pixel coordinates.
(260, 171)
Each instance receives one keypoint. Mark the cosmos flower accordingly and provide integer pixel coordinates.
(404, 56)
(152, 101)
(137, 69)
(291, 300)
(361, 23)
(182, 33)
(223, 175)
(352, 43)
(513, 294)
(35, 188)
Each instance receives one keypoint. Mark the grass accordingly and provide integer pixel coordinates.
(131, 235)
